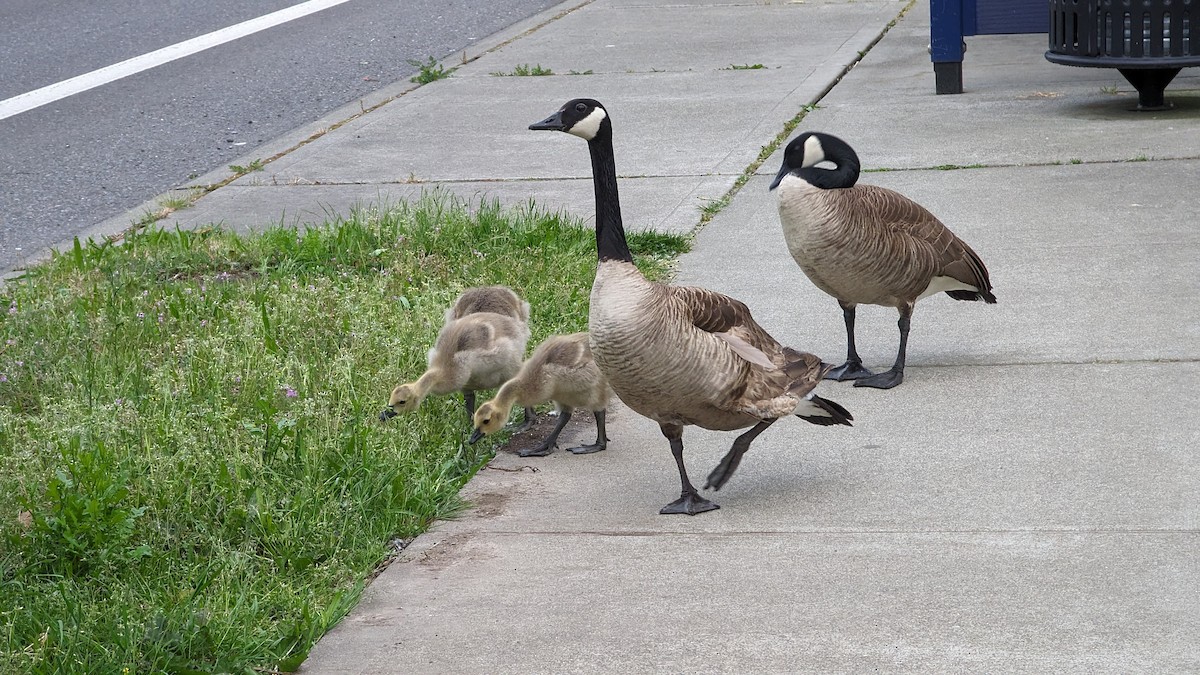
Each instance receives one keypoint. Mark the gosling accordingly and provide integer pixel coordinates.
(474, 350)
(561, 370)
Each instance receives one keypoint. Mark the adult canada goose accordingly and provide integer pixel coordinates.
(681, 355)
(865, 244)
(562, 370)
(474, 350)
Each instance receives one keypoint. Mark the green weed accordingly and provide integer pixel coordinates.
(526, 70)
(428, 71)
(254, 165)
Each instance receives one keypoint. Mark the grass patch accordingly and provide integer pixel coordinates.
(526, 70)
(428, 71)
(192, 477)
(745, 66)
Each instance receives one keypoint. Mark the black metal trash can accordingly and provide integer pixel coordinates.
(1148, 41)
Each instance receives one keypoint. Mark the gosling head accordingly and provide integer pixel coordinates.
(404, 399)
(489, 419)
(582, 117)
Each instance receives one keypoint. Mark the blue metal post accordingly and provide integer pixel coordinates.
(946, 44)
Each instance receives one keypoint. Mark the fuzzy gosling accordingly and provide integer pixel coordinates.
(561, 370)
(476, 350)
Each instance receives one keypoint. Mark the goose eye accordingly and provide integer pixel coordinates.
(580, 107)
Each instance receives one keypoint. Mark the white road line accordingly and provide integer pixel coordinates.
(60, 90)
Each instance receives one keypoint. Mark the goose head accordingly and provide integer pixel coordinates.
(489, 419)
(582, 117)
(806, 151)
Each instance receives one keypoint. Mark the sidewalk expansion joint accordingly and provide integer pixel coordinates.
(710, 210)
(305, 182)
(849, 532)
(1020, 165)
(1088, 362)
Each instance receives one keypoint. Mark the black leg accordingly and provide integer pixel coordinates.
(690, 501)
(601, 439)
(895, 376)
(526, 424)
(852, 369)
(729, 463)
(469, 400)
(547, 446)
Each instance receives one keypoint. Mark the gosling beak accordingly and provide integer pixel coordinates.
(783, 171)
(551, 123)
(387, 414)
(475, 436)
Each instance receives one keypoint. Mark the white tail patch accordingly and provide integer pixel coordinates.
(588, 127)
(943, 284)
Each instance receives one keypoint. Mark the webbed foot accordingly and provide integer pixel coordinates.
(539, 451)
(587, 449)
(850, 370)
(884, 380)
(689, 503)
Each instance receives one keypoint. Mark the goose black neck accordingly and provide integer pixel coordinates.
(610, 231)
(843, 175)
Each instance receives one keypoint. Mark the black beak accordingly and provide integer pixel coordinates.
(783, 171)
(387, 414)
(475, 436)
(551, 123)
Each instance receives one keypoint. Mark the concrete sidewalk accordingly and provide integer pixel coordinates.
(1026, 501)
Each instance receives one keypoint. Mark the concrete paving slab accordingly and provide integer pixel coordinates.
(1081, 276)
(421, 140)
(979, 602)
(1034, 111)
(1100, 447)
(669, 204)
(628, 38)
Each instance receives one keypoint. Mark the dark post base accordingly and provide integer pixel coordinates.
(1150, 84)
(947, 77)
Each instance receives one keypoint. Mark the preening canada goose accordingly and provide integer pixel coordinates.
(562, 370)
(865, 244)
(474, 350)
(681, 355)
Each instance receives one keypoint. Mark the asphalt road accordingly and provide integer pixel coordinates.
(74, 163)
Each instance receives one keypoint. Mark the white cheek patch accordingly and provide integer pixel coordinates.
(588, 127)
(814, 154)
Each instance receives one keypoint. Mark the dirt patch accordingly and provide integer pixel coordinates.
(489, 504)
(451, 551)
(581, 430)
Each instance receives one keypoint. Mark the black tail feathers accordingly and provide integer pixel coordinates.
(836, 413)
(985, 296)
